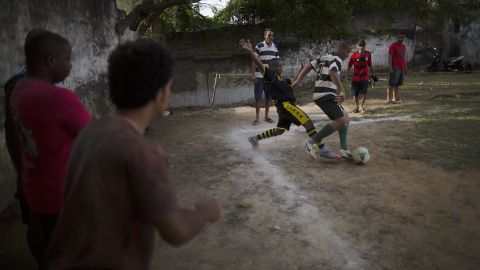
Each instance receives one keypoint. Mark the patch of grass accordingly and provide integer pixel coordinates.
(446, 141)
(235, 218)
(244, 205)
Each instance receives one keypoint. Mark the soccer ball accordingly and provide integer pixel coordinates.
(361, 155)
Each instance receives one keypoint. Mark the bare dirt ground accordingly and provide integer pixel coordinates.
(415, 205)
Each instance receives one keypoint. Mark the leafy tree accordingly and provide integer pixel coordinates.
(158, 17)
(326, 17)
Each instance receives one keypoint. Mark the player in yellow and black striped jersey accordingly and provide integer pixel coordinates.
(283, 98)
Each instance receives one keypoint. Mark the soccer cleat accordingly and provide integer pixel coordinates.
(327, 153)
(346, 154)
(311, 148)
(253, 141)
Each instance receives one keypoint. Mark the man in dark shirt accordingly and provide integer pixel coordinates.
(118, 192)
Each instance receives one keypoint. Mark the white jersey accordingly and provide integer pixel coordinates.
(323, 83)
(265, 53)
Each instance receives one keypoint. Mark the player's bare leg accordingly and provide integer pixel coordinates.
(257, 113)
(267, 109)
(389, 94)
(395, 96)
(357, 109)
(363, 98)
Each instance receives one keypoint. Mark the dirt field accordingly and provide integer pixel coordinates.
(415, 205)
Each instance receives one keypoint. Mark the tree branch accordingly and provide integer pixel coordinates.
(148, 9)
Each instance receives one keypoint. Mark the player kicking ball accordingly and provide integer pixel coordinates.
(329, 96)
(283, 98)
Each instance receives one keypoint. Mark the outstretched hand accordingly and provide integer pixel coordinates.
(246, 44)
(210, 209)
(340, 99)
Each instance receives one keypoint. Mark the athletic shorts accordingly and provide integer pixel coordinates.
(261, 90)
(330, 107)
(289, 113)
(396, 77)
(47, 224)
(359, 88)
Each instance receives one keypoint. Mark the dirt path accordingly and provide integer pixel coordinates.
(282, 210)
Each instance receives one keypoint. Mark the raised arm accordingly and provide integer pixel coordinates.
(254, 76)
(303, 62)
(306, 68)
(245, 44)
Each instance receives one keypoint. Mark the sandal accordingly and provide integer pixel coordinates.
(255, 122)
(269, 120)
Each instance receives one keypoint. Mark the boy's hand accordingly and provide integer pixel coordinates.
(246, 44)
(210, 208)
(340, 98)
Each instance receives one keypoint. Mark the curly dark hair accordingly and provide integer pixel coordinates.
(137, 70)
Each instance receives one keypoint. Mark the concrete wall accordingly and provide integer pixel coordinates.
(202, 55)
(467, 39)
(87, 24)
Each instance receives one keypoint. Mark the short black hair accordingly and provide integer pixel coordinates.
(275, 61)
(362, 43)
(136, 71)
(33, 33)
(42, 43)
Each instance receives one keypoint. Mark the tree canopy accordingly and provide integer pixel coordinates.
(328, 17)
(313, 17)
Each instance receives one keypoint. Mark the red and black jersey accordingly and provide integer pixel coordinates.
(360, 65)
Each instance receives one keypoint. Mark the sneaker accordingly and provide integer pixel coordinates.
(327, 153)
(346, 154)
(253, 141)
(311, 148)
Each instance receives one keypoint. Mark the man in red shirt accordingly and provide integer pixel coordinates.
(47, 119)
(397, 60)
(361, 61)
(14, 147)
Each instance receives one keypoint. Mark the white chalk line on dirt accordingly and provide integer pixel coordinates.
(403, 117)
(334, 248)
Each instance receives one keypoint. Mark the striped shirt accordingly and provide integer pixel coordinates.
(265, 53)
(323, 65)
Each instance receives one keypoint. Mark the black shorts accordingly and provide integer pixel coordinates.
(359, 88)
(330, 107)
(261, 90)
(289, 113)
(396, 77)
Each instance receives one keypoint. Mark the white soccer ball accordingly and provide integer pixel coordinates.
(361, 155)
